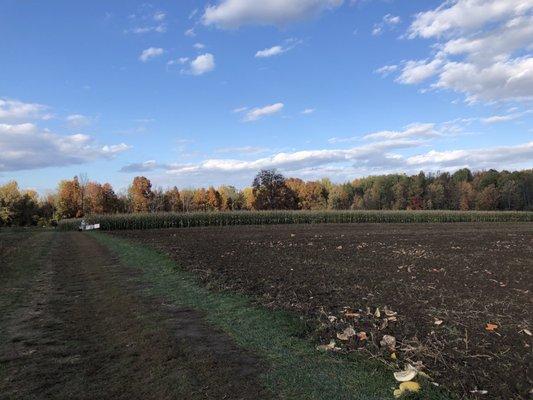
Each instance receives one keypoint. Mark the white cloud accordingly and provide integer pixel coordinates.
(190, 32)
(199, 46)
(503, 80)
(308, 111)
(387, 21)
(269, 52)
(24, 147)
(202, 64)
(373, 158)
(386, 70)
(161, 28)
(475, 158)
(415, 130)
(150, 53)
(159, 16)
(260, 112)
(418, 71)
(465, 15)
(239, 109)
(234, 13)
(16, 110)
(486, 51)
(77, 120)
(279, 49)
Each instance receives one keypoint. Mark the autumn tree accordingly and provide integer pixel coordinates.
(140, 194)
(69, 199)
(213, 199)
(271, 193)
(173, 200)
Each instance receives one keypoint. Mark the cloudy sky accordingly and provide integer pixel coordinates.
(194, 93)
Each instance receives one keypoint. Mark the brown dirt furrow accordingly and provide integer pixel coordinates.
(88, 333)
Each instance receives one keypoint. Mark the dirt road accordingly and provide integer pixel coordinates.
(88, 331)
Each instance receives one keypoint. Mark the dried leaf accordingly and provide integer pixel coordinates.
(438, 321)
(389, 342)
(407, 374)
(339, 247)
(491, 327)
(346, 334)
(410, 386)
(362, 336)
(377, 314)
(389, 313)
(393, 356)
(527, 332)
(326, 347)
(397, 393)
(352, 315)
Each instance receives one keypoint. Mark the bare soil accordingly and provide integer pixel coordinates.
(87, 332)
(436, 286)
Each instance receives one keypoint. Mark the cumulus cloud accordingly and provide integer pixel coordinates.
(482, 49)
(465, 15)
(151, 52)
(419, 71)
(202, 64)
(308, 111)
(372, 158)
(16, 110)
(199, 46)
(231, 14)
(260, 112)
(25, 147)
(474, 158)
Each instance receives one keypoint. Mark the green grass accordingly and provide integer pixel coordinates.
(183, 220)
(296, 369)
(18, 270)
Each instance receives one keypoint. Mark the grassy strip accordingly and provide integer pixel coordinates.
(297, 370)
(183, 220)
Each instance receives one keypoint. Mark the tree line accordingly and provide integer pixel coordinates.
(270, 190)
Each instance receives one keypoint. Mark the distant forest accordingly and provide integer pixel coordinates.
(462, 190)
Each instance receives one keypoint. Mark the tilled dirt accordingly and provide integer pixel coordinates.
(88, 333)
(436, 286)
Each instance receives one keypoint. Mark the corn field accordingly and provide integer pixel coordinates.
(184, 220)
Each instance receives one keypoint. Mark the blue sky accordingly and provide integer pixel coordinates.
(191, 93)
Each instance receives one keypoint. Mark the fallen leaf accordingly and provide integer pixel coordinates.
(339, 247)
(389, 342)
(346, 334)
(326, 347)
(406, 387)
(410, 386)
(393, 356)
(377, 314)
(362, 336)
(407, 374)
(332, 318)
(527, 332)
(491, 327)
(438, 321)
(389, 313)
(352, 315)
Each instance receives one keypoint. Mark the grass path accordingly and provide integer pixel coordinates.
(297, 370)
